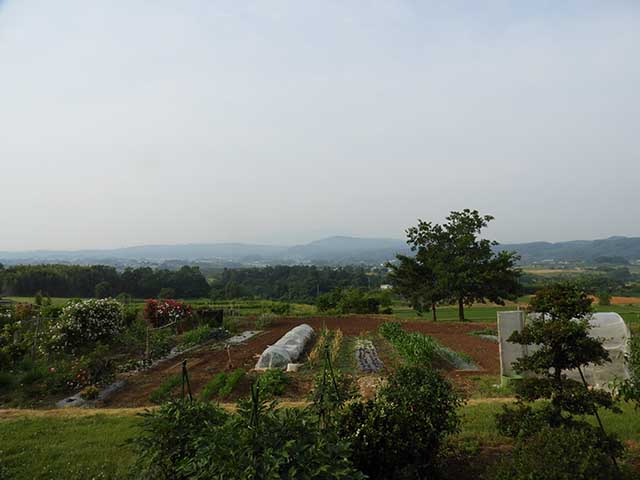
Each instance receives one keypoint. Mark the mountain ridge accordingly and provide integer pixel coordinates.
(338, 249)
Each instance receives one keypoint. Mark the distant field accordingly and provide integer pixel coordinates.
(552, 271)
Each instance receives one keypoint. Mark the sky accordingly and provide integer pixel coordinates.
(130, 122)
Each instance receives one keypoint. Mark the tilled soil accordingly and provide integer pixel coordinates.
(205, 362)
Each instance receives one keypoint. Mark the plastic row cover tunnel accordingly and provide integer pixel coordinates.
(286, 350)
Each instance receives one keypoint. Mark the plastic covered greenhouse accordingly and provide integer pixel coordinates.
(286, 350)
(607, 326)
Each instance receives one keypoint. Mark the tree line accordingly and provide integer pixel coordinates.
(101, 281)
(288, 283)
(293, 283)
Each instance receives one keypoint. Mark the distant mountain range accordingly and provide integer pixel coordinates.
(337, 250)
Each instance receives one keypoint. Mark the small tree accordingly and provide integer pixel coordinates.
(604, 298)
(560, 329)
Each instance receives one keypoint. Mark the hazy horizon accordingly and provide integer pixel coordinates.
(280, 123)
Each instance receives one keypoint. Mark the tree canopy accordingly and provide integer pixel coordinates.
(453, 264)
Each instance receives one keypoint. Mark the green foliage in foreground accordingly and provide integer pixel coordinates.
(79, 448)
(272, 383)
(398, 434)
(192, 440)
(560, 454)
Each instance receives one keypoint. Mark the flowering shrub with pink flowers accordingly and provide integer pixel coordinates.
(163, 312)
(84, 322)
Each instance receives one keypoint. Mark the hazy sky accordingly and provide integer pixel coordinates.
(127, 122)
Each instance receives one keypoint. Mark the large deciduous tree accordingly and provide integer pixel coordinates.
(452, 263)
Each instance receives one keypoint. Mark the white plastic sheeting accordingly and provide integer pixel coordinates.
(286, 350)
(609, 327)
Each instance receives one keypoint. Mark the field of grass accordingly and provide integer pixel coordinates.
(489, 313)
(44, 447)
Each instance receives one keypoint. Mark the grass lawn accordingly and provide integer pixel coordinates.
(94, 446)
(489, 313)
(89, 447)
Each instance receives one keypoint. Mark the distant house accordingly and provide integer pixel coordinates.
(386, 286)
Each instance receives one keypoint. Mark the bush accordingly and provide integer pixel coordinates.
(278, 308)
(90, 393)
(170, 437)
(398, 434)
(195, 337)
(630, 389)
(164, 312)
(560, 454)
(272, 383)
(85, 322)
(13, 346)
(201, 441)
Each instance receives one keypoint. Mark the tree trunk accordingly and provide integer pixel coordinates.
(461, 309)
(434, 316)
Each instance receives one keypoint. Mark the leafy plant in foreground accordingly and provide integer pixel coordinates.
(272, 383)
(398, 434)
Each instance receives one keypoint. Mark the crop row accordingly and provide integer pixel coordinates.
(413, 347)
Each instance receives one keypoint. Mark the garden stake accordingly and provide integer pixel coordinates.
(597, 415)
(185, 379)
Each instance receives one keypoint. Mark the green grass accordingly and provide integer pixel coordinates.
(478, 422)
(67, 448)
(489, 313)
(94, 447)
(449, 313)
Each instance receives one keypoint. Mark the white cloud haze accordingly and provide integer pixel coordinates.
(131, 122)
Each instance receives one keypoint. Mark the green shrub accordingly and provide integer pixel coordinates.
(630, 389)
(170, 437)
(90, 393)
(232, 382)
(165, 391)
(84, 322)
(279, 308)
(272, 383)
(561, 454)
(398, 435)
(259, 442)
(230, 324)
(213, 386)
(195, 337)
